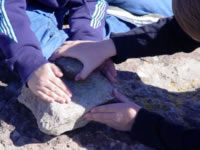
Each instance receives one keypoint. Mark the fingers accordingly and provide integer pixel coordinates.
(108, 74)
(107, 108)
(114, 120)
(59, 87)
(45, 97)
(58, 82)
(120, 97)
(81, 76)
(112, 68)
(100, 117)
(46, 84)
(110, 77)
(49, 96)
(109, 71)
(58, 73)
(84, 73)
(121, 118)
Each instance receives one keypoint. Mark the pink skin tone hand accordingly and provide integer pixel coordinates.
(92, 55)
(119, 116)
(46, 83)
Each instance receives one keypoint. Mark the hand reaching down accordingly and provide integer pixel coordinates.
(119, 116)
(91, 54)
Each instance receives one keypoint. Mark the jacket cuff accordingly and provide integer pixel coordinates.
(117, 40)
(145, 128)
(157, 132)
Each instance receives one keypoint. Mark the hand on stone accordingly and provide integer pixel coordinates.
(45, 82)
(108, 69)
(91, 54)
(119, 116)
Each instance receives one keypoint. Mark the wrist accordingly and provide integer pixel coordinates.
(108, 48)
(133, 112)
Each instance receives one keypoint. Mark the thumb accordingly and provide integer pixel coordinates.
(56, 70)
(83, 74)
(120, 97)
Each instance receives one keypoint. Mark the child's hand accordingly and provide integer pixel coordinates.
(91, 54)
(45, 82)
(119, 116)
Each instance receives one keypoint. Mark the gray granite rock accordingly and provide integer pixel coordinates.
(54, 118)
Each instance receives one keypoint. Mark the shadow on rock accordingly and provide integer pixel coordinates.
(181, 108)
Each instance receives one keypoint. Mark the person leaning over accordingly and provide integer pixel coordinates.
(180, 33)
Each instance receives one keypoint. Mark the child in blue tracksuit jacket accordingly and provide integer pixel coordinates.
(29, 35)
(26, 26)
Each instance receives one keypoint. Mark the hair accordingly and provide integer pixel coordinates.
(187, 14)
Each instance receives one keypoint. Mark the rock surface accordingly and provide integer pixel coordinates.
(55, 118)
(168, 85)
